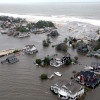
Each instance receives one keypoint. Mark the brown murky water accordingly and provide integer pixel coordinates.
(20, 81)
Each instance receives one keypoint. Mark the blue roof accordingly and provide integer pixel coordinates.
(93, 83)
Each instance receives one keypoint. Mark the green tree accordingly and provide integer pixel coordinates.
(46, 61)
(68, 62)
(43, 76)
(38, 61)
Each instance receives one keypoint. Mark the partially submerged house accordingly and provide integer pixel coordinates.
(70, 90)
(96, 53)
(11, 59)
(83, 48)
(58, 60)
(95, 67)
(30, 49)
(87, 78)
(54, 33)
(4, 31)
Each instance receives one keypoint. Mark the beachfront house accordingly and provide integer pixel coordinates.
(30, 49)
(58, 60)
(11, 59)
(70, 90)
(87, 78)
(83, 48)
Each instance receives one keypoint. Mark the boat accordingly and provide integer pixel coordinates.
(88, 67)
(58, 73)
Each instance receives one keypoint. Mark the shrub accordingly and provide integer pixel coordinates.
(43, 76)
(68, 62)
(74, 72)
(46, 61)
(76, 58)
(16, 51)
(71, 78)
(46, 42)
(65, 41)
(62, 47)
(42, 24)
(38, 61)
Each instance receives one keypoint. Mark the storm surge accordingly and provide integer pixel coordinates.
(59, 19)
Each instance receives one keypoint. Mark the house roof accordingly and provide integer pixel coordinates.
(11, 57)
(29, 46)
(70, 85)
(54, 33)
(60, 56)
(93, 83)
(87, 74)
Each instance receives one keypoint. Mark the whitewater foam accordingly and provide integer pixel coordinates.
(60, 19)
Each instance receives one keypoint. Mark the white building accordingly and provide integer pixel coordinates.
(30, 49)
(68, 89)
(58, 60)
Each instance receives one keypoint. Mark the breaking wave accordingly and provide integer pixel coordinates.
(60, 19)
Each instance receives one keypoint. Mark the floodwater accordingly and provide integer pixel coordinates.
(21, 81)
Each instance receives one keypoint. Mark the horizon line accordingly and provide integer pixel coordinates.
(46, 2)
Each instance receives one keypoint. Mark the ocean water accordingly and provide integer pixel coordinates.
(56, 12)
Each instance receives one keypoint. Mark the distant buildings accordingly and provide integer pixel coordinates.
(70, 90)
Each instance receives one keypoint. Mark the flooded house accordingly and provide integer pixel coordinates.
(68, 89)
(96, 53)
(58, 60)
(95, 67)
(11, 59)
(54, 33)
(30, 49)
(87, 78)
(4, 31)
(83, 48)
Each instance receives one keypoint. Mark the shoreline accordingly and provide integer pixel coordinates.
(58, 19)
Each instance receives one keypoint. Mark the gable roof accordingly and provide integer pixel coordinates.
(87, 74)
(70, 85)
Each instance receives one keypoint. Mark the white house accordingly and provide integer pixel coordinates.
(30, 49)
(58, 60)
(68, 89)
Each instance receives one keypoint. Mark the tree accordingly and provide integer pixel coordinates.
(62, 47)
(43, 76)
(68, 62)
(46, 61)
(38, 61)
(76, 58)
(48, 40)
(42, 24)
(58, 47)
(65, 41)
(45, 43)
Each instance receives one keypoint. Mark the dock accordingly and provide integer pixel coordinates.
(6, 52)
